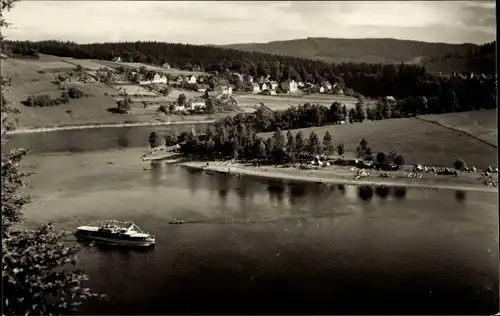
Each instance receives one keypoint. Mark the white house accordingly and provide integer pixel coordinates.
(328, 86)
(255, 87)
(160, 79)
(390, 99)
(225, 90)
(117, 60)
(321, 89)
(180, 108)
(263, 86)
(203, 87)
(166, 65)
(272, 85)
(250, 79)
(190, 79)
(195, 103)
(289, 86)
(300, 84)
(156, 79)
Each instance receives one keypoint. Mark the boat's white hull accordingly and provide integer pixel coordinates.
(112, 241)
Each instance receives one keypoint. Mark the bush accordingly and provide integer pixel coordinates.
(163, 109)
(75, 93)
(460, 164)
(39, 100)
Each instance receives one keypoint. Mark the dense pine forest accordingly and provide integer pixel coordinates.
(461, 93)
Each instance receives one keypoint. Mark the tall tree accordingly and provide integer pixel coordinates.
(291, 149)
(314, 144)
(300, 143)
(340, 149)
(154, 139)
(328, 144)
(279, 145)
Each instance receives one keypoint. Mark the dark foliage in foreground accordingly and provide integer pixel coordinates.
(38, 273)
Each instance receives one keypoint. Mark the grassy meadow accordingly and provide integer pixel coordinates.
(481, 124)
(419, 141)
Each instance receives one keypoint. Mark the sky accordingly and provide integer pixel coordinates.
(228, 22)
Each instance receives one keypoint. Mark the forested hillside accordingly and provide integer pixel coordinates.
(366, 50)
(480, 59)
(372, 80)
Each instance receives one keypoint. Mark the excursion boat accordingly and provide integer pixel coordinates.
(115, 233)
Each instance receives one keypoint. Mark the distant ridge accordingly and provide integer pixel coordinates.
(367, 50)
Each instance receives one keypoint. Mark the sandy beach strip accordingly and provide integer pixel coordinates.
(336, 176)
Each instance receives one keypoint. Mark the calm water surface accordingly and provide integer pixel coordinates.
(260, 246)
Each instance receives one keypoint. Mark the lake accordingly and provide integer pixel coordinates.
(254, 246)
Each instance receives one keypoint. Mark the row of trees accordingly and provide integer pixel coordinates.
(307, 115)
(243, 143)
(373, 80)
(44, 100)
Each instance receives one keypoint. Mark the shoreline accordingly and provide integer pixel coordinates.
(28, 130)
(337, 179)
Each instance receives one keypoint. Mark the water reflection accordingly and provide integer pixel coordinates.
(365, 192)
(399, 192)
(155, 171)
(193, 179)
(276, 189)
(123, 139)
(460, 196)
(224, 185)
(341, 188)
(296, 192)
(382, 191)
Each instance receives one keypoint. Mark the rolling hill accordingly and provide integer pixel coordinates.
(337, 50)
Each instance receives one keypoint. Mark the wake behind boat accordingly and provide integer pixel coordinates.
(115, 233)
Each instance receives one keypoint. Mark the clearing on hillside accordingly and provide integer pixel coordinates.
(419, 141)
(86, 63)
(132, 90)
(481, 124)
(282, 102)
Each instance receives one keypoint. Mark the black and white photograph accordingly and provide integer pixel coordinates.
(249, 157)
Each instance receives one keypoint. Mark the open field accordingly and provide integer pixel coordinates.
(132, 90)
(85, 63)
(27, 80)
(282, 102)
(481, 124)
(419, 141)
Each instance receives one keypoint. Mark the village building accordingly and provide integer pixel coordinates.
(300, 84)
(203, 87)
(255, 87)
(225, 90)
(327, 85)
(190, 79)
(196, 103)
(390, 100)
(156, 79)
(166, 65)
(289, 86)
(263, 86)
(237, 76)
(272, 85)
(250, 79)
(321, 89)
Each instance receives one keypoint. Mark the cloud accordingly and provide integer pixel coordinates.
(224, 22)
